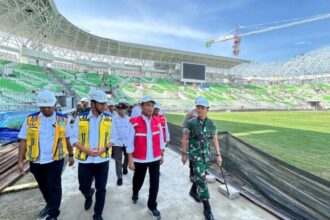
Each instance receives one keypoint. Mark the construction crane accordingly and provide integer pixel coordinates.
(261, 28)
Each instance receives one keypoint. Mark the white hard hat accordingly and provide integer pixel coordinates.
(203, 102)
(122, 101)
(78, 103)
(46, 99)
(98, 96)
(197, 98)
(147, 98)
(157, 105)
(84, 99)
(111, 102)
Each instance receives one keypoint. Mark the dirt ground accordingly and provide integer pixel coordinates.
(21, 205)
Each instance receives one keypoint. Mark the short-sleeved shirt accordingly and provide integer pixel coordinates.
(201, 133)
(46, 136)
(93, 138)
(122, 126)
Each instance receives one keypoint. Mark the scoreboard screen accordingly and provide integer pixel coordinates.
(192, 72)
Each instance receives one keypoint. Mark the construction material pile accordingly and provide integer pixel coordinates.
(8, 165)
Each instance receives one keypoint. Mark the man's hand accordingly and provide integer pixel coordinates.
(109, 146)
(219, 160)
(131, 164)
(91, 152)
(71, 161)
(20, 168)
(184, 158)
(101, 151)
(162, 159)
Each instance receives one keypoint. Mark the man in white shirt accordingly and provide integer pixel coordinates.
(44, 142)
(121, 123)
(93, 136)
(145, 151)
(136, 111)
(111, 109)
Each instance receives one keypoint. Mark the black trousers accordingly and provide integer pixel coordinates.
(48, 177)
(191, 171)
(138, 179)
(118, 152)
(98, 171)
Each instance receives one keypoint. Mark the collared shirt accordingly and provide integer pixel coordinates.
(93, 138)
(122, 125)
(136, 111)
(201, 133)
(46, 136)
(150, 153)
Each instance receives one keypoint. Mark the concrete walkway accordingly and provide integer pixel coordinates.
(173, 199)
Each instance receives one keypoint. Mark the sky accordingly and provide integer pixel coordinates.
(187, 24)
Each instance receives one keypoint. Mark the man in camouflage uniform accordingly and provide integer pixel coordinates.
(200, 132)
(192, 114)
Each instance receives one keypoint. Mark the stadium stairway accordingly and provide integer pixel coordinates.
(67, 90)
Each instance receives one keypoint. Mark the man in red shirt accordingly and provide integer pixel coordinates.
(145, 151)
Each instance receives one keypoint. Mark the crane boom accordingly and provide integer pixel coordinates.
(285, 25)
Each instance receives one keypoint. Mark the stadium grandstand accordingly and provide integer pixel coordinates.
(41, 49)
(147, 69)
(47, 51)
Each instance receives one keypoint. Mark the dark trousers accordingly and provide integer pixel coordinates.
(48, 177)
(86, 173)
(191, 171)
(138, 179)
(118, 152)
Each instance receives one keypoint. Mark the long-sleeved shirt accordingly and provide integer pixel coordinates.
(150, 153)
(46, 137)
(93, 138)
(122, 126)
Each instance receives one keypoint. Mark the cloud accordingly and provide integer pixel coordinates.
(132, 30)
(225, 6)
(177, 26)
(300, 43)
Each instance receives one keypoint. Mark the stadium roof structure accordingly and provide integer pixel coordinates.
(315, 63)
(38, 22)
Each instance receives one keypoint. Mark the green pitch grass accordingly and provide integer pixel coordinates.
(301, 139)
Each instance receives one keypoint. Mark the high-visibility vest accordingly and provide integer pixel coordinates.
(104, 135)
(162, 121)
(140, 139)
(32, 141)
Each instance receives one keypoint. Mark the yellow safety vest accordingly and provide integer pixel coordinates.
(104, 135)
(32, 140)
